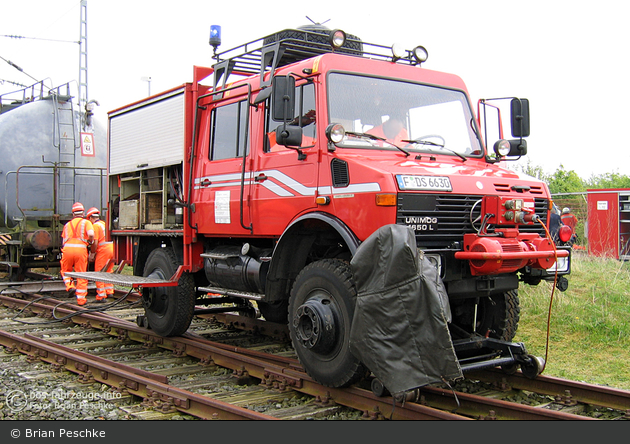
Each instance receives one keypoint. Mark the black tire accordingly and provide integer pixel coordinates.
(277, 311)
(513, 315)
(497, 316)
(169, 310)
(321, 308)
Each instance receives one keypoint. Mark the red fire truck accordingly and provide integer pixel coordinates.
(255, 185)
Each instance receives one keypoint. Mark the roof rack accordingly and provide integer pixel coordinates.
(292, 45)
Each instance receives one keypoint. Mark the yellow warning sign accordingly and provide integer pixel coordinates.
(87, 144)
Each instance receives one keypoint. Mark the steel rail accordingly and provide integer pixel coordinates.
(146, 385)
(488, 408)
(276, 373)
(567, 392)
(286, 373)
(280, 373)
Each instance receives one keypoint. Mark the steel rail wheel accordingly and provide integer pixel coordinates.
(169, 310)
(321, 308)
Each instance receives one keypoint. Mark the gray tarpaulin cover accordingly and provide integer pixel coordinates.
(400, 330)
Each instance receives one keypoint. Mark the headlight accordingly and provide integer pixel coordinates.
(335, 132)
(502, 147)
(337, 38)
(420, 54)
(398, 51)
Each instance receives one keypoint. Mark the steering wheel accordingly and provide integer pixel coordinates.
(429, 136)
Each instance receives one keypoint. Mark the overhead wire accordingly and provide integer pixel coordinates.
(18, 68)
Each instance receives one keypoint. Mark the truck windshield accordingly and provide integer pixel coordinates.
(384, 114)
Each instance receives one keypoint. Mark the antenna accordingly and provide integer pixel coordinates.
(310, 20)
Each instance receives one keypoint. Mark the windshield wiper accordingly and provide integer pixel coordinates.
(373, 137)
(428, 142)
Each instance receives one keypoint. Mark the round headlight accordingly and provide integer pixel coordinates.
(335, 132)
(502, 147)
(420, 54)
(398, 51)
(337, 38)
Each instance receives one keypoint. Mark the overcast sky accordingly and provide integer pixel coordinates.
(569, 58)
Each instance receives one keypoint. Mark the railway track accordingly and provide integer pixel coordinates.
(232, 367)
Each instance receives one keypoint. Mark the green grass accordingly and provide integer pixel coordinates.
(589, 332)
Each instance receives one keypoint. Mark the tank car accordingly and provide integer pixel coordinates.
(50, 160)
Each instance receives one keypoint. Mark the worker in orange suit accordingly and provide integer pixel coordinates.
(104, 253)
(77, 236)
(392, 130)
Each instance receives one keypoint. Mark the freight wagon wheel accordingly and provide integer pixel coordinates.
(18, 274)
(169, 310)
(321, 309)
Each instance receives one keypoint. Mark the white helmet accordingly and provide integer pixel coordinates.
(565, 211)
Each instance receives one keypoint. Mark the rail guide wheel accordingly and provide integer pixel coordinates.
(532, 366)
(378, 388)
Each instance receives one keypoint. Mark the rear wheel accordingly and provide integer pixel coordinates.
(321, 309)
(496, 316)
(169, 310)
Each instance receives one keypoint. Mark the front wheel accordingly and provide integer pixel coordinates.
(169, 310)
(495, 316)
(321, 308)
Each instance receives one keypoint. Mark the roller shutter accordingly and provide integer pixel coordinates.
(148, 135)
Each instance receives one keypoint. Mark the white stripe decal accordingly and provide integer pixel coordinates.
(277, 189)
(290, 182)
(353, 188)
(227, 180)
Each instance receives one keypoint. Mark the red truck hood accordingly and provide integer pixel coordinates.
(474, 176)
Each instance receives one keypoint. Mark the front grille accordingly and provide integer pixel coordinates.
(451, 215)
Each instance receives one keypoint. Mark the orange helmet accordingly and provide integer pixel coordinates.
(77, 208)
(93, 212)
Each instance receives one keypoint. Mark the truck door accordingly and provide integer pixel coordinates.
(220, 196)
(285, 179)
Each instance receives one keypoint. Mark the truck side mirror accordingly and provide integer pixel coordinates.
(283, 98)
(518, 147)
(289, 135)
(520, 117)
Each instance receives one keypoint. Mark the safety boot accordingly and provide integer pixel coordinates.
(100, 298)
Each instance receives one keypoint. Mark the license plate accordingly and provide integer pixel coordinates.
(437, 183)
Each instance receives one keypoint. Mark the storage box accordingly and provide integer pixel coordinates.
(153, 180)
(153, 208)
(128, 214)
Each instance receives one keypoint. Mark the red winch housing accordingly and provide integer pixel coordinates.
(507, 251)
